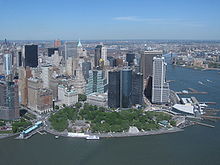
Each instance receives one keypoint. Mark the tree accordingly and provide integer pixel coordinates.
(82, 97)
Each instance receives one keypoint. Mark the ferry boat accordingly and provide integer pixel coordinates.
(92, 137)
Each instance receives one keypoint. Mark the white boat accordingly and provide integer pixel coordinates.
(92, 137)
(200, 83)
(56, 137)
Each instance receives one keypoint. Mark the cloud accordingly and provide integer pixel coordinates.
(160, 21)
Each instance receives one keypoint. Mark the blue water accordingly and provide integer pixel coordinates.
(197, 145)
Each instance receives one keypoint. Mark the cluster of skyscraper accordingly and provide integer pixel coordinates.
(39, 78)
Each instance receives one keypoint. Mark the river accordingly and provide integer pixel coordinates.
(197, 145)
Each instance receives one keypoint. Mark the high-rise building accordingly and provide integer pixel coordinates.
(57, 43)
(126, 88)
(19, 59)
(100, 56)
(86, 66)
(7, 64)
(30, 56)
(40, 99)
(51, 51)
(96, 82)
(148, 88)
(67, 95)
(9, 106)
(70, 50)
(112, 61)
(137, 88)
(130, 58)
(114, 89)
(160, 89)
(147, 62)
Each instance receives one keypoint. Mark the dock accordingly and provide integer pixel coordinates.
(204, 124)
(210, 117)
(190, 92)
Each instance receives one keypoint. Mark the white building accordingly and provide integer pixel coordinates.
(7, 64)
(104, 55)
(67, 95)
(97, 99)
(45, 76)
(160, 88)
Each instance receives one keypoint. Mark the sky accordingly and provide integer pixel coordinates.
(109, 19)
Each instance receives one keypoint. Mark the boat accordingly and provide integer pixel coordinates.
(200, 83)
(56, 137)
(92, 137)
(208, 80)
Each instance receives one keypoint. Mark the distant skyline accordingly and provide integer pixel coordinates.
(113, 19)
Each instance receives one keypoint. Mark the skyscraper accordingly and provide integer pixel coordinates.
(30, 56)
(96, 82)
(160, 89)
(137, 88)
(57, 43)
(51, 51)
(126, 88)
(7, 64)
(70, 50)
(100, 56)
(147, 62)
(130, 58)
(114, 89)
(9, 106)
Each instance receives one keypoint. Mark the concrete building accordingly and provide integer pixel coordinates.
(67, 95)
(57, 43)
(97, 99)
(40, 99)
(147, 62)
(100, 56)
(160, 88)
(9, 106)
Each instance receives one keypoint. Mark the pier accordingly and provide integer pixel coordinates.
(204, 124)
(190, 92)
(210, 117)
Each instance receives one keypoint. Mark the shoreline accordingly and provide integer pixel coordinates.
(202, 69)
(119, 134)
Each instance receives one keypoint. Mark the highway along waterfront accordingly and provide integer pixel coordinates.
(196, 145)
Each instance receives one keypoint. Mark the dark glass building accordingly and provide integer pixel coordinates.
(86, 66)
(130, 58)
(50, 51)
(9, 106)
(98, 55)
(31, 56)
(148, 88)
(126, 88)
(137, 88)
(114, 89)
(112, 61)
(19, 58)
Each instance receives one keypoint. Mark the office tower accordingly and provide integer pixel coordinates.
(114, 89)
(126, 88)
(24, 75)
(96, 82)
(45, 75)
(67, 95)
(86, 66)
(147, 62)
(9, 106)
(100, 56)
(137, 88)
(148, 88)
(19, 60)
(7, 64)
(57, 43)
(30, 55)
(70, 50)
(56, 59)
(40, 99)
(79, 49)
(112, 61)
(79, 82)
(130, 58)
(51, 51)
(160, 90)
